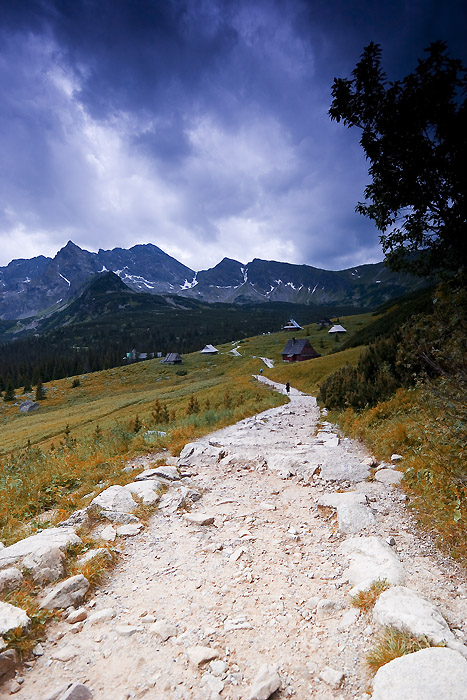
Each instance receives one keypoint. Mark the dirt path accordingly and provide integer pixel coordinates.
(265, 583)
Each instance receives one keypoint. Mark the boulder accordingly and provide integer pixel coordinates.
(116, 516)
(12, 617)
(371, 559)
(108, 534)
(129, 530)
(428, 674)
(115, 498)
(354, 517)
(335, 470)
(199, 453)
(388, 476)
(99, 616)
(149, 475)
(403, 608)
(10, 579)
(46, 564)
(8, 662)
(163, 629)
(77, 691)
(146, 490)
(66, 593)
(266, 683)
(334, 500)
(199, 518)
(53, 537)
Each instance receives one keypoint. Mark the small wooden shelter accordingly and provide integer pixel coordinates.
(292, 325)
(172, 358)
(337, 330)
(298, 351)
(209, 350)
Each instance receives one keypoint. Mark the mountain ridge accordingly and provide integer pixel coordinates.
(31, 287)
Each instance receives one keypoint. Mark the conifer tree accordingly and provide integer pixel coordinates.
(9, 394)
(40, 391)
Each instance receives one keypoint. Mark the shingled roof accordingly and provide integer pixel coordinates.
(299, 347)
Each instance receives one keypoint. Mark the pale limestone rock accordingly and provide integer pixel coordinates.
(199, 453)
(163, 629)
(77, 691)
(265, 683)
(213, 685)
(146, 490)
(428, 674)
(354, 517)
(403, 608)
(115, 498)
(52, 537)
(10, 579)
(167, 472)
(218, 667)
(149, 475)
(331, 676)
(99, 616)
(349, 618)
(335, 470)
(126, 630)
(327, 608)
(129, 530)
(46, 564)
(200, 655)
(12, 617)
(66, 593)
(8, 661)
(173, 500)
(334, 500)
(65, 653)
(77, 616)
(99, 553)
(396, 458)
(371, 559)
(118, 518)
(108, 534)
(199, 518)
(388, 476)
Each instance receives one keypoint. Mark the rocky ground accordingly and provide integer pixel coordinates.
(239, 586)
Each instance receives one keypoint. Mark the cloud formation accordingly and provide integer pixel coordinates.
(198, 125)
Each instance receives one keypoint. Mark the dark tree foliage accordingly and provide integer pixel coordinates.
(415, 138)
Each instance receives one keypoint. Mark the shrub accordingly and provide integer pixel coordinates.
(75, 383)
(393, 643)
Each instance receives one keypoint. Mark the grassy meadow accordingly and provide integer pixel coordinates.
(57, 458)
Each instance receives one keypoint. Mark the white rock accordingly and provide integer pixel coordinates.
(66, 593)
(51, 537)
(331, 676)
(129, 530)
(396, 458)
(354, 517)
(429, 674)
(46, 564)
(328, 608)
(146, 490)
(65, 653)
(371, 559)
(265, 683)
(99, 553)
(334, 500)
(349, 618)
(199, 518)
(218, 667)
(335, 470)
(403, 608)
(10, 579)
(264, 505)
(163, 629)
(167, 472)
(126, 630)
(77, 616)
(388, 476)
(370, 461)
(115, 498)
(12, 617)
(99, 616)
(108, 534)
(173, 500)
(200, 655)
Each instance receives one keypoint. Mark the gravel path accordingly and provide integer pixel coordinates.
(264, 583)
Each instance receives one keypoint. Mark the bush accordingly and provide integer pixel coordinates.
(75, 383)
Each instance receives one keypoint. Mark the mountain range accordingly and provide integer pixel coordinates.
(43, 285)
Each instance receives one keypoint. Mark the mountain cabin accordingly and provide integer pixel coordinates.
(172, 358)
(292, 325)
(336, 330)
(209, 350)
(298, 351)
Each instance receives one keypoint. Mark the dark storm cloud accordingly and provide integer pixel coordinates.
(199, 125)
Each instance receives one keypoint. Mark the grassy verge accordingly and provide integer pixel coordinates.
(434, 450)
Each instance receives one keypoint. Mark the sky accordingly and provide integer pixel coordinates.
(200, 126)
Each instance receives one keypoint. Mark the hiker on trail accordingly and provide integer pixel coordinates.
(261, 371)
(287, 387)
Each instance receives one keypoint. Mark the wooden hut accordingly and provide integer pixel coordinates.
(298, 351)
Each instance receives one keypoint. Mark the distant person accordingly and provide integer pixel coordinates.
(261, 371)
(287, 388)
